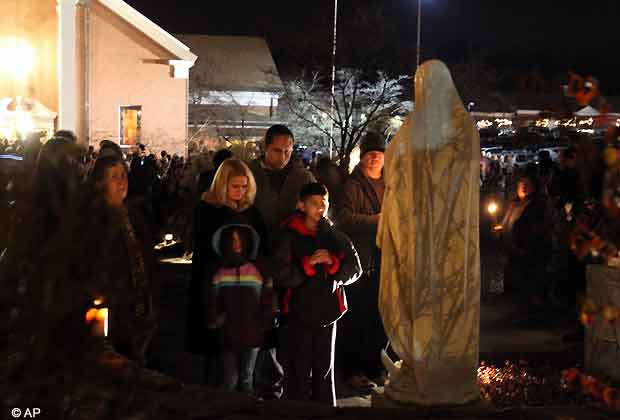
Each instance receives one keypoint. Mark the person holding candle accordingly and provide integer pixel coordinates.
(526, 236)
(124, 265)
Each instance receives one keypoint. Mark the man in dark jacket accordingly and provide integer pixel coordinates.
(278, 180)
(362, 336)
(314, 260)
(278, 183)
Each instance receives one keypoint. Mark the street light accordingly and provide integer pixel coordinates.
(419, 33)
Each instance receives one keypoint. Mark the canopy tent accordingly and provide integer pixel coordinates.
(23, 115)
(588, 111)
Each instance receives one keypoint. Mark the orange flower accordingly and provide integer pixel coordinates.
(610, 395)
(610, 313)
(595, 389)
(571, 375)
(585, 381)
(586, 319)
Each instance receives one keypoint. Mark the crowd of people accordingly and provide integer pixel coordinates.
(285, 270)
(558, 218)
(304, 262)
(281, 256)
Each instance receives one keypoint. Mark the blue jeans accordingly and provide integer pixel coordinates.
(237, 369)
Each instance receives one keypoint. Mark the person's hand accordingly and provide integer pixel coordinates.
(498, 228)
(320, 256)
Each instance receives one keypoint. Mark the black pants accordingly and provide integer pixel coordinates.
(310, 350)
(526, 278)
(361, 335)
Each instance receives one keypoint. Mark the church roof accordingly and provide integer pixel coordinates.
(233, 63)
(150, 29)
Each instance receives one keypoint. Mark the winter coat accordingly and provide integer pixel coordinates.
(108, 257)
(274, 205)
(564, 186)
(526, 231)
(208, 218)
(359, 217)
(315, 295)
(240, 301)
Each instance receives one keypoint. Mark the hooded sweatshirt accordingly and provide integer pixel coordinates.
(240, 301)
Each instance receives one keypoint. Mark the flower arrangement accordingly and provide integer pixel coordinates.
(590, 310)
(592, 387)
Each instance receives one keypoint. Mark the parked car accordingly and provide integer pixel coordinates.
(521, 160)
(554, 152)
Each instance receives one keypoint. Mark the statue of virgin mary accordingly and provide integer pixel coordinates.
(429, 296)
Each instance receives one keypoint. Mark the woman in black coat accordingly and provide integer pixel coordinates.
(527, 239)
(229, 200)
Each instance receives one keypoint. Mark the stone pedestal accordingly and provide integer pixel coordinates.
(602, 340)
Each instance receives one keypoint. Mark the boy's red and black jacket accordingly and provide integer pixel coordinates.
(315, 295)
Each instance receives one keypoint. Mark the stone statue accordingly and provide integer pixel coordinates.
(428, 234)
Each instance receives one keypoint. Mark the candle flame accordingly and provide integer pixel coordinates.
(492, 208)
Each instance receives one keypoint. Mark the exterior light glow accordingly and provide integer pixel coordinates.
(16, 58)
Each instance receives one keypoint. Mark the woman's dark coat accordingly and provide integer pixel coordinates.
(208, 218)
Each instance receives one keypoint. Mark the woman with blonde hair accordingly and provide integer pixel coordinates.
(230, 200)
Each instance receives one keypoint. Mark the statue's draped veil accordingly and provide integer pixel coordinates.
(428, 235)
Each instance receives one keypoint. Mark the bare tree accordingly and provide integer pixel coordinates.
(361, 103)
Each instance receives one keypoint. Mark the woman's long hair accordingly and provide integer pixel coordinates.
(218, 193)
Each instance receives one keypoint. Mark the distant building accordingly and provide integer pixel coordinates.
(104, 69)
(234, 88)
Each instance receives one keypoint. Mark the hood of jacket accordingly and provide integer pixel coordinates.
(296, 222)
(217, 239)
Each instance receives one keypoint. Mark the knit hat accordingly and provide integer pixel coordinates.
(372, 142)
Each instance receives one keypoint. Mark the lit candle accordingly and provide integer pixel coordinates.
(168, 237)
(97, 317)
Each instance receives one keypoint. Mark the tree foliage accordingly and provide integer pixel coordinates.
(361, 102)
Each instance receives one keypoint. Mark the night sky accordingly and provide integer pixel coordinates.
(549, 36)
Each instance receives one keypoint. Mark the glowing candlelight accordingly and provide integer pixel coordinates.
(492, 207)
(98, 318)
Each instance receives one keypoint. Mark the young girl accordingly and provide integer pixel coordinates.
(241, 304)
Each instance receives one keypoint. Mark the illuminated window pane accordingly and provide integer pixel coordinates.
(131, 123)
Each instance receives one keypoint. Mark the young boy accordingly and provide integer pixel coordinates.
(314, 261)
(241, 304)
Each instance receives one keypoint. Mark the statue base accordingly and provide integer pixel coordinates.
(380, 400)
